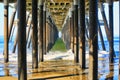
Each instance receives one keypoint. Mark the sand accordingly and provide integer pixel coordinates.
(8, 78)
(58, 66)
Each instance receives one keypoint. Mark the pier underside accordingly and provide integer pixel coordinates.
(41, 23)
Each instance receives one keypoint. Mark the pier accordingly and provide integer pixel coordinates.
(38, 25)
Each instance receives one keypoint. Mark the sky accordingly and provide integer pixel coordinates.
(116, 18)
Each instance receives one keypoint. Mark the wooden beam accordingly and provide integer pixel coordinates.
(93, 41)
(111, 44)
(22, 66)
(6, 41)
(76, 29)
(44, 30)
(60, 1)
(40, 32)
(58, 10)
(82, 34)
(11, 22)
(34, 35)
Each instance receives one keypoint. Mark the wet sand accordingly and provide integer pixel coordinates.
(59, 69)
(8, 78)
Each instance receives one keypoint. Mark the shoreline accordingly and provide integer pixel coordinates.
(58, 62)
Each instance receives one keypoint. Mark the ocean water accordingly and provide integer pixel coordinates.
(11, 45)
(103, 66)
(116, 44)
(11, 42)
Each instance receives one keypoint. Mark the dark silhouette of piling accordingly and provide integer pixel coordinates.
(76, 31)
(72, 22)
(34, 35)
(101, 36)
(111, 44)
(12, 21)
(15, 43)
(105, 21)
(28, 31)
(22, 67)
(82, 34)
(93, 41)
(40, 31)
(44, 28)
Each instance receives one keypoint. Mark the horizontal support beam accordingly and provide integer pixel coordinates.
(55, 1)
(60, 1)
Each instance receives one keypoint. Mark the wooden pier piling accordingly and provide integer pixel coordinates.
(76, 31)
(22, 63)
(12, 32)
(87, 29)
(28, 31)
(82, 34)
(6, 41)
(44, 29)
(105, 21)
(93, 41)
(40, 31)
(111, 44)
(101, 36)
(12, 21)
(15, 43)
(70, 21)
(30, 40)
(34, 35)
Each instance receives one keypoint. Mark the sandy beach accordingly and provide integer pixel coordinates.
(57, 66)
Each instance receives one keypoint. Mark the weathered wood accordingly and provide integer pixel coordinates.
(15, 43)
(76, 29)
(29, 42)
(16, 39)
(111, 43)
(29, 27)
(82, 34)
(47, 36)
(72, 22)
(6, 41)
(28, 32)
(12, 33)
(27, 19)
(101, 36)
(87, 28)
(40, 31)
(51, 37)
(44, 28)
(93, 41)
(6, 70)
(22, 67)
(34, 35)
(48, 29)
(107, 30)
(11, 22)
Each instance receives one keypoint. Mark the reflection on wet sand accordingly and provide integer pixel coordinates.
(59, 70)
(68, 70)
(63, 70)
(6, 70)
